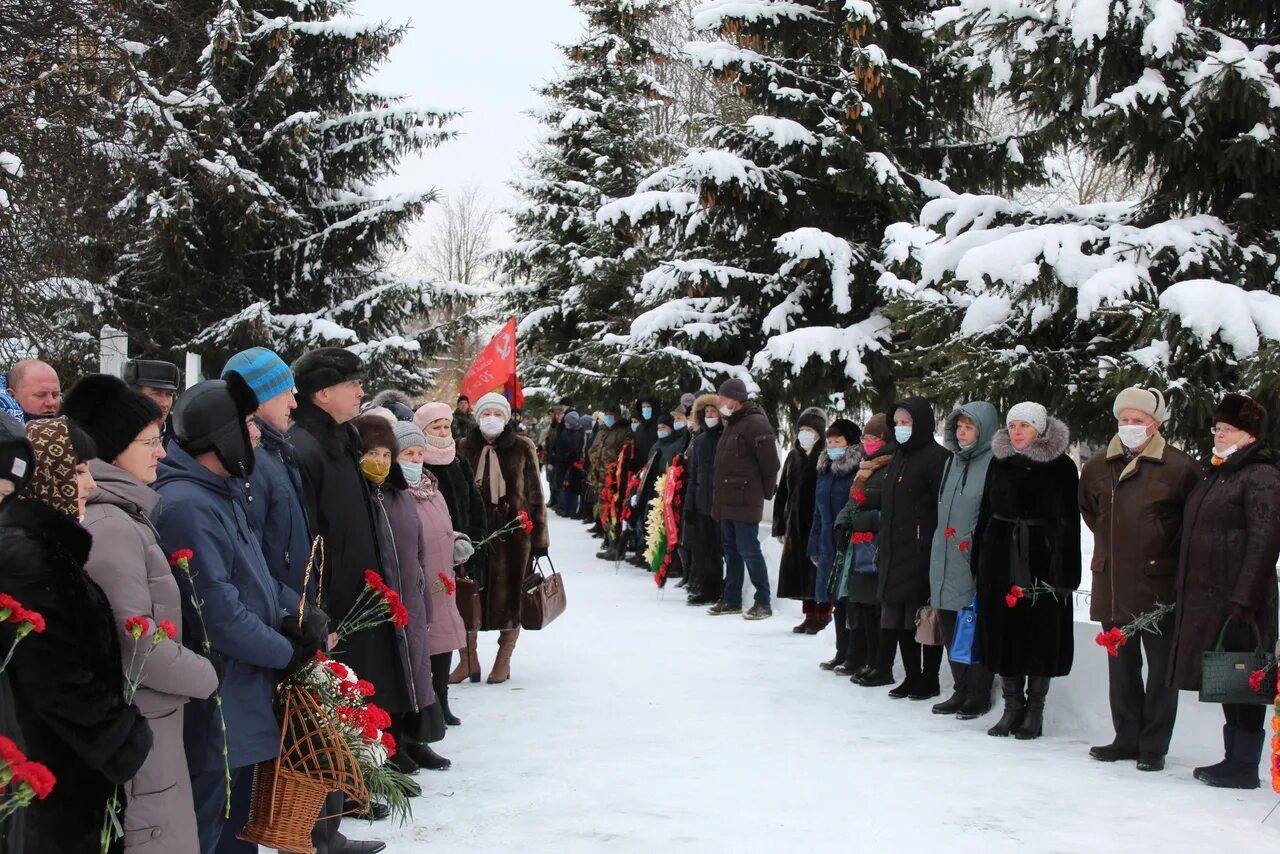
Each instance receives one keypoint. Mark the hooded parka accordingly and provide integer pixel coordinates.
(951, 581)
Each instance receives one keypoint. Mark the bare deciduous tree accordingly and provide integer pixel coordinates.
(460, 238)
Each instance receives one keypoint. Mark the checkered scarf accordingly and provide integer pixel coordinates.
(54, 481)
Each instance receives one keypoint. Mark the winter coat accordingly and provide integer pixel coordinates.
(405, 548)
(793, 519)
(242, 606)
(604, 452)
(447, 630)
(67, 682)
(861, 516)
(1134, 506)
(1230, 543)
(746, 467)
(278, 513)
(1028, 531)
(508, 559)
(830, 495)
(951, 582)
(457, 483)
(645, 437)
(660, 457)
(13, 827)
(909, 510)
(463, 423)
(700, 471)
(340, 505)
(127, 563)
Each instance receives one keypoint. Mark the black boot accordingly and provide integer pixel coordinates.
(955, 702)
(1228, 739)
(910, 663)
(927, 686)
(1241, 767)
(426, 757)
(1032, 725)
(978, 689)
(882, 669)
(842, 645)
(450, 718)
(1015, 705)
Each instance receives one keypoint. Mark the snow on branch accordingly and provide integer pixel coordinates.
(843, 346)
(1240, 318)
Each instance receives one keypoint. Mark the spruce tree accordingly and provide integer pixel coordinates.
(1175, 289)
(776, 223)
(253, 213)
(569, 277)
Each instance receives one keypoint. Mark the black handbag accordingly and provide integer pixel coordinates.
(1224, 676)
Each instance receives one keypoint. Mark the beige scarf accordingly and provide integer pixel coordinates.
(866, 468)
(490, 475)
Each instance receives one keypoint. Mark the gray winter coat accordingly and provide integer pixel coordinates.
(128, 564)
(951, 582)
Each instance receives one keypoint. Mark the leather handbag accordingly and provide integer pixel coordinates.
(864, 557)
(928, 627)
(964, 641)
(1224, 676)
(467, 596)
(541, 598)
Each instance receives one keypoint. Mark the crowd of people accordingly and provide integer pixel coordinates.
(239, 516)
(912, 547)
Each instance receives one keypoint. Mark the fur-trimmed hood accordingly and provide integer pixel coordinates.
(1043, 449)
(699, 407)
(843, 467)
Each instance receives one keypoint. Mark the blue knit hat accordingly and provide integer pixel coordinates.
(264, 371)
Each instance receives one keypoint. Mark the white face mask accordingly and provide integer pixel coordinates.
(491, 425)
(711, 421)
(726, 411)
(1223, 453)
(1132, 435)
(807, 439)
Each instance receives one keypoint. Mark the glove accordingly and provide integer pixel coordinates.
(303, 653)
(462, 551)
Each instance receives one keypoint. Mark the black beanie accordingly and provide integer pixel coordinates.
(110, 412)
(851, 432)
(813, 418)
(666, 420)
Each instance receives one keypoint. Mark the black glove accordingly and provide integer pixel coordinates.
(303, 653)
(307, 639)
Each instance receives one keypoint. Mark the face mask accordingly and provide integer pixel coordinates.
(442, 442)
(635, 427)
(491, 425)
(412, 471)
(835, 453)
(647, 412)
(663, 433)
(375, 471)
(872, 444)
(680, 425)
(609, 421)
(712, 422)
(726, 411)
(807, 439)
(1132, 435)
(1223, 453)
(902, 434)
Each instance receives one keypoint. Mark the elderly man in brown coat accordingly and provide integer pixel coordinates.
(1132, 497)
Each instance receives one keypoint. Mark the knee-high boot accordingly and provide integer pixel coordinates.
(501, 671)
(1015, 705)
(468, 662)
(959, 693)
(842, 640)
(1033, 721)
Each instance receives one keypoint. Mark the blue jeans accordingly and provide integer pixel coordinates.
(741, 543)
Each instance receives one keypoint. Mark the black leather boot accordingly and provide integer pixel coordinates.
(955, 702)
(1015, 705)
(1241, 768)
(1032, 725)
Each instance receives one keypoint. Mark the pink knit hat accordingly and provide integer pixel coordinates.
(433, 411)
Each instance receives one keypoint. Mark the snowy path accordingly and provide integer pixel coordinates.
(636, 723)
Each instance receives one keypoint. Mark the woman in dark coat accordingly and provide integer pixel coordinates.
(67, 681)
(506, 467)
(700, 533)
(793, 516)
(860, 656)
(836, 469)
(1028, 540)
(1226, 575)
(908, 515)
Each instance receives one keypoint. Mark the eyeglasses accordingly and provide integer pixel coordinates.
(1220, 429)
(154, 444)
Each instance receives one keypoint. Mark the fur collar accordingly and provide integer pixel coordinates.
(842, 467)
(1044, 449)
(55, 530)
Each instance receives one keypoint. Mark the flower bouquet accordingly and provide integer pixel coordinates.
(21, 780)
(1118, 636)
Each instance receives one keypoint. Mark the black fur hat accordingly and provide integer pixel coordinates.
(851, 432)
(111, 412)
(325, 367)
(1243, 413)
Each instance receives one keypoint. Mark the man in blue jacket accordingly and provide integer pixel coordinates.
(206, 508)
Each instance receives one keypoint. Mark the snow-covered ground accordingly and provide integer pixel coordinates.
(636, 723)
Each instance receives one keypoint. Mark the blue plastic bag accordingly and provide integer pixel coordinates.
(963, 650)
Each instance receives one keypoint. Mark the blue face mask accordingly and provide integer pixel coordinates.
(647, 412)
(412, 471)
(835, 453)
(902, 434)
(609, 421)
(663, 433)
(679, 426)
(635, 427)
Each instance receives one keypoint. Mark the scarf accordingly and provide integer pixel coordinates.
(53, 483)
(489, 475)
(439, 456)
(426, 487)
(866, 468)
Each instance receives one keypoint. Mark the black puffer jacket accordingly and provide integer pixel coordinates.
(910, 509)
(700, 473)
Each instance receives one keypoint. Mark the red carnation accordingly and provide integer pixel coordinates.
(378, 716)
(1112, 640)
(1257, 680)
(389, 743)
(8, 603)
(180, 555)
(320, 656)
(447, 583)
(9, 753)
(167, 628)
(859, 497)
(365, 688)
(525, 522)
(1010, 600)
(1016, 591)
(337, 668)
(950, 533)
(137, 626)
(35, 775)
(23, 615)
(963, 545)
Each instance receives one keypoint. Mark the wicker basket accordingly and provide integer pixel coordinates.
(289, 791)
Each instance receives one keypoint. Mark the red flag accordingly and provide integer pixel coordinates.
(495, 369)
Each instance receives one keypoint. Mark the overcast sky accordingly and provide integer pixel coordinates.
(486, 59)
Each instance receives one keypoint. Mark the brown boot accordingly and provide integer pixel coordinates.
(501, 671)
(468, 662)
(806, 628)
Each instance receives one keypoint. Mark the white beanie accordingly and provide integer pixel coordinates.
(1032, 413)
(1148, 400)
(493, 400)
